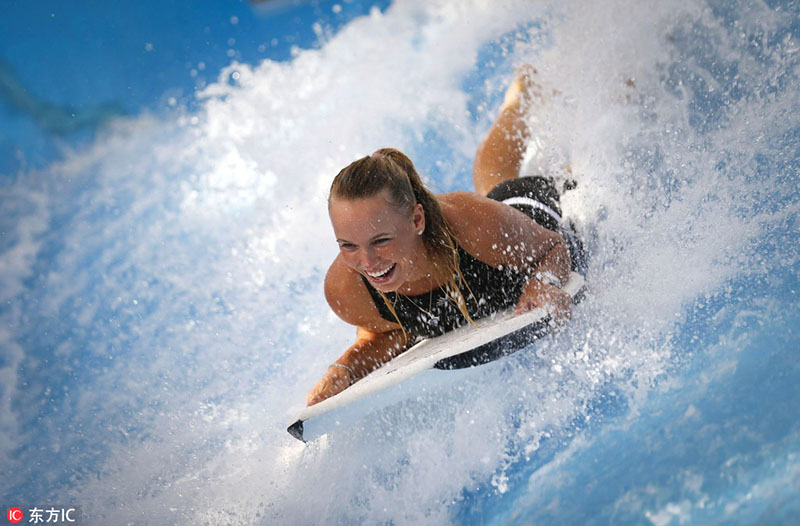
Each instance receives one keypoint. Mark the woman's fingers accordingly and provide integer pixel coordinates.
(548, 297)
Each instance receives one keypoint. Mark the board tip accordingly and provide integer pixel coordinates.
(296, 430)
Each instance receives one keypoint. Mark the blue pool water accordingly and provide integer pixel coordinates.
(164, 236)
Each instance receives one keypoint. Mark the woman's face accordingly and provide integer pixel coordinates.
(378, 240)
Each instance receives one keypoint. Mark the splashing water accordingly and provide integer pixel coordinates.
(162, 308)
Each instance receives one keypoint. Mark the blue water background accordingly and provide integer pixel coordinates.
(67, 70)
(162, 313)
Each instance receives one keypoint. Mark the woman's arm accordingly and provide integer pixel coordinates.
(370, 351)
(504, 237)
(377, 340)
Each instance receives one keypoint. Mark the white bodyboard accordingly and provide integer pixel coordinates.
(407, 374)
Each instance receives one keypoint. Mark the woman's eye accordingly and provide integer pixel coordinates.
(382, 241)
(347, 246)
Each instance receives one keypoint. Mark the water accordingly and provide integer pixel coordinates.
(162, 311)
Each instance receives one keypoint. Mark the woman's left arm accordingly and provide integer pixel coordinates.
(504, 237)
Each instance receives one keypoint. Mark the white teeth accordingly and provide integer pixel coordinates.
(378, 275)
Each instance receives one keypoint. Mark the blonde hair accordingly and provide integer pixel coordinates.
(390, 169)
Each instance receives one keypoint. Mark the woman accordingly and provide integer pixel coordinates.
(413, 265)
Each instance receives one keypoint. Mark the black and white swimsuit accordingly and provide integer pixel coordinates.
(486, 289)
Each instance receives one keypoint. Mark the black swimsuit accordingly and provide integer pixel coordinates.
(433, 313)
(487, 289)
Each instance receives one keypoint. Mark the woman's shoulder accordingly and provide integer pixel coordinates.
(468, 208)
(349, 298)
(463, 210)
(486, 228)
(344, 290)
(476, 221)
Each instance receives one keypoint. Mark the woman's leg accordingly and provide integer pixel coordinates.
(500, 154)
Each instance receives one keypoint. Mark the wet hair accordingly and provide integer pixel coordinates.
(390, 169)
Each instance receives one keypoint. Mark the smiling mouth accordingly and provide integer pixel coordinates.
(382, 275)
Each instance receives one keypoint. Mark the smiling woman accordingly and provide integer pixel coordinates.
(377, 233)
(412, 264)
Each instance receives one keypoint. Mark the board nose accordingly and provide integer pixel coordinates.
(296, 430)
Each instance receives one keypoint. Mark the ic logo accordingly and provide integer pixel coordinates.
(14, 515)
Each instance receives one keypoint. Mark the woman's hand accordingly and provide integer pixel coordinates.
(555, 301)
(335, 380)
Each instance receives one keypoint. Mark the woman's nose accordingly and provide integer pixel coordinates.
(368, 258)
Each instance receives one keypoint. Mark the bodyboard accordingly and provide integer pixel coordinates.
(406, 374)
